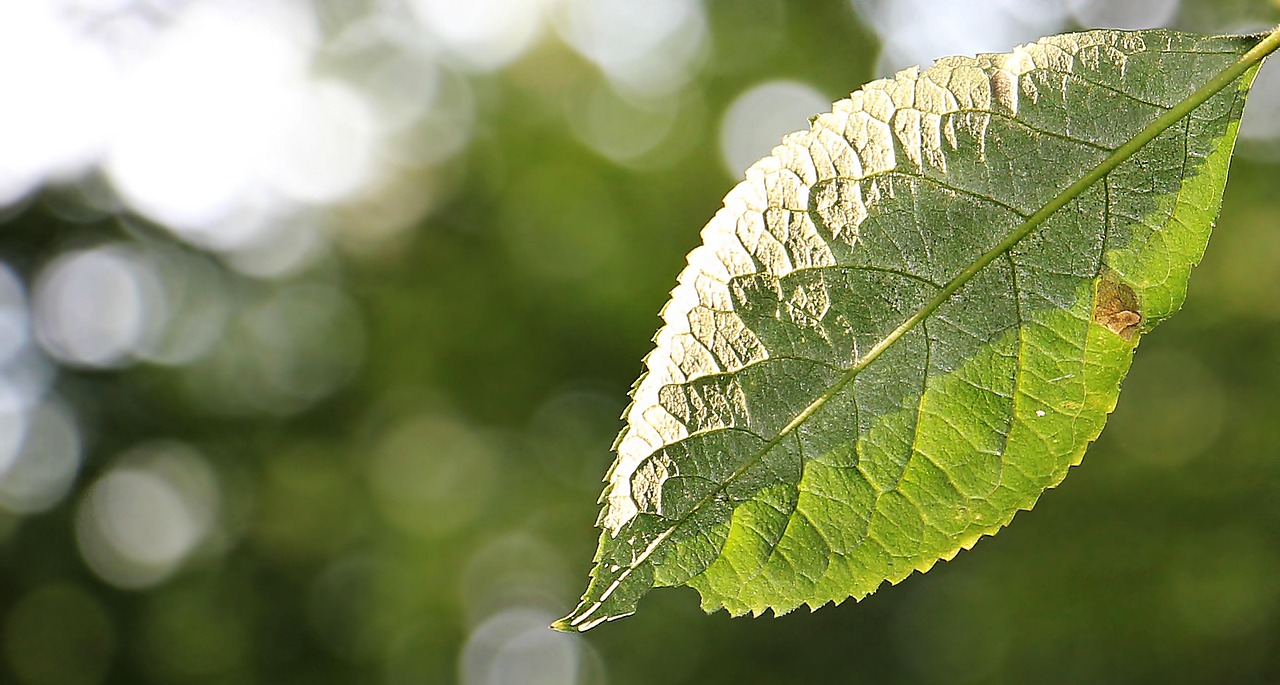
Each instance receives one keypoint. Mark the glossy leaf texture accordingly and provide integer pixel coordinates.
(866, 366)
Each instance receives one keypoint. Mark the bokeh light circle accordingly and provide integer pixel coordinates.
(482, 35)
(15, 324)
(648, 48)
(146, 515)
(916, 32)
(1131, 14)
(759, 117)
(515, 647)
(40, 472)
(93, 307)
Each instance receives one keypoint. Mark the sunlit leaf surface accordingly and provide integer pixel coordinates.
(819, 415)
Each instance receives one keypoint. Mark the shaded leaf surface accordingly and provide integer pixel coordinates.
(792, 442)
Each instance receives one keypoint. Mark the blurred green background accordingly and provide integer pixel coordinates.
(316, 319)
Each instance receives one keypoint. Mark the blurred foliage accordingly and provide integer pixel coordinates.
(417, 525)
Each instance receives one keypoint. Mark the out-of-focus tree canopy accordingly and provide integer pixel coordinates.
(316, 320)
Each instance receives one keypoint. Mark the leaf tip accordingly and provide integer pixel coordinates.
(564, 625)
(585, 617)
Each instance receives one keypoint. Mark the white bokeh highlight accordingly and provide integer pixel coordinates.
(643, 48)
(40, 472)
(199, 120)
(620, 129)
(324, 152)
(217, 120)
(13, 425)
(92, 307)
(141, 520)
(15, 321)
(916, 32)
(53, 85)
(515, 647)
(482, 35)
(759, 117)
(1130, 14)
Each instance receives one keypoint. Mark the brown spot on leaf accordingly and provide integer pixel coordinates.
(1116, 307)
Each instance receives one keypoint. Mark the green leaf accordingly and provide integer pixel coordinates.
(911, 319)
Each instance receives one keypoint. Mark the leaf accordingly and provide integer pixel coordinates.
(911, 319)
